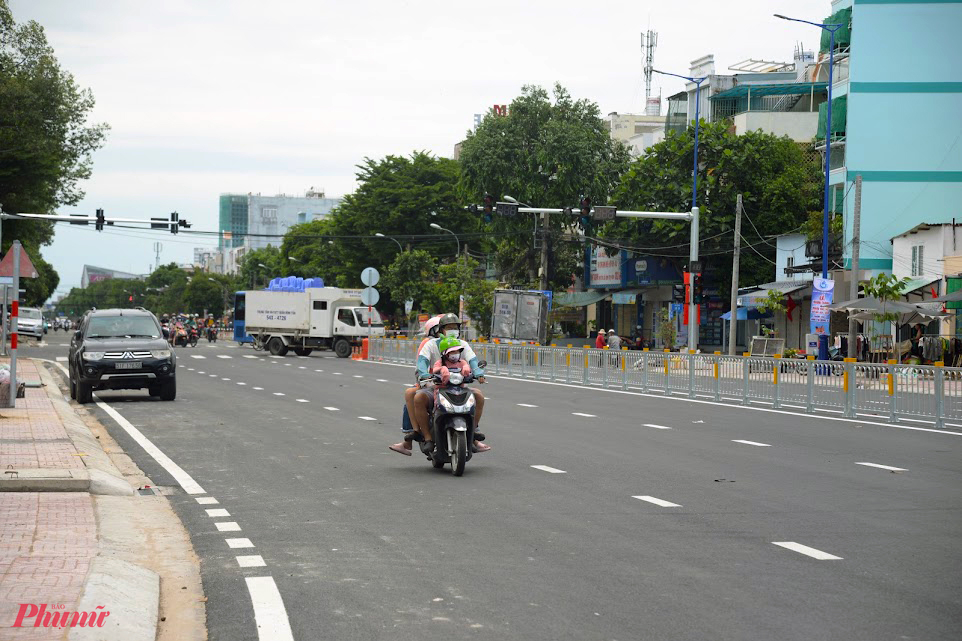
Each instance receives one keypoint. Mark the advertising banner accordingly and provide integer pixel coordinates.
(823, 292)
(605, 270)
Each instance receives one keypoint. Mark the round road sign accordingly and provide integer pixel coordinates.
(370, 276)
(370, 296)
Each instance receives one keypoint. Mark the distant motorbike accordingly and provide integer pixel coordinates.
(184, 336)
(211, 335)
(452, 423)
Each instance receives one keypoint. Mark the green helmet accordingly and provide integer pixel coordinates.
(449, 342)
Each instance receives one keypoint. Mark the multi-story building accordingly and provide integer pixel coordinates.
(233, 220)
(269, 217)
(895, 120)
(93, 274)
(637, 131)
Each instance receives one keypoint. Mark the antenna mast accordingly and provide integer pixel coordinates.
(649, 41)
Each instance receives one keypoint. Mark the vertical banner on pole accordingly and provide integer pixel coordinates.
(823, 292)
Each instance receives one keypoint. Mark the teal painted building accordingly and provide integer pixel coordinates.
(898, 91)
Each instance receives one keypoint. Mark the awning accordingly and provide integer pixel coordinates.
(786, 287)
(581, 299)
(746, 313)
(787, 89)
(916, 284)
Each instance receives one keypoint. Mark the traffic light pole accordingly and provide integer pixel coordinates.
(691, 217)
(99, 220)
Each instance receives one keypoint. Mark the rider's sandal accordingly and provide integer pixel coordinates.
(480, 447)
(400, 449)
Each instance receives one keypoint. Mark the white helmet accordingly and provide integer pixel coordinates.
(431, 326)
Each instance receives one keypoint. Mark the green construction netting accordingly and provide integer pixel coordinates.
(839, 110)
(843, 36)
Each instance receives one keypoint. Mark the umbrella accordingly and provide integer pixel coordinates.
(865, 309)
(954, 297)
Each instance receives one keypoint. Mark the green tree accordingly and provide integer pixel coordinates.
(201, 295)
(165, 290)
(252, 275)
(309, 250)
(464, 277)
(547, 154)
(780, 184)
(45, 141)
(411, 276)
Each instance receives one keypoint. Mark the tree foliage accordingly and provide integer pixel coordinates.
(779, 184)
(547, 154)
(45, 140)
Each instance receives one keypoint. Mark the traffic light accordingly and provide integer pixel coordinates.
(697, 294)
(174, 217)
(585, 212)
(100, 220)
(183, 223)
(488, 201)
(131, 298)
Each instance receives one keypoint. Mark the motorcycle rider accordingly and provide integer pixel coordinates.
(430, 331)
(449, 327)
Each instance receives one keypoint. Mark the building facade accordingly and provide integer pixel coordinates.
(269, 217)
(638, 132)
(93, 274)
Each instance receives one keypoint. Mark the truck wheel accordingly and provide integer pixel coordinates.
(342, 348)
(168, 391)
(303, 351)
(84, 393)
(277, 347)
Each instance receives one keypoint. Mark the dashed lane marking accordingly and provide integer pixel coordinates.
(333, 409)
(380, 380)
(201, 372)
(526, 405)
(207, 500)
(337, 374)
(225, 379)
(242, 383)
(239, 543)
(224, 356)
(358, 376)
(657, 427)
(301, 367)
(249, 356)
(751, 443)
(659, 502)
(253, 561)
(550, 470)
(258, 388)
(582, 414)
(213, 375)
(303, 400)
(807, 551)
(198, 356)
(884, 467)
(279, 394)
(217, 512)
(367, 418)
(228, 526)
(61, 359)
(318, 370)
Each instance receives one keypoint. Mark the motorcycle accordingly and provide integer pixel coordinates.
(452, 423)
(184, 336)
(211, 335)
(193, 336)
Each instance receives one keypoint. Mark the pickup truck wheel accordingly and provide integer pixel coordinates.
(73, 386)
(277, 347)
(342, 348)
(303, 351)
(84, 393)
(168, 391)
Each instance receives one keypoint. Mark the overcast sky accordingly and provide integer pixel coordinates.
(212, 96)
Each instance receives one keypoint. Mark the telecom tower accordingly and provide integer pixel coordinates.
(649, 41)
(157, 248)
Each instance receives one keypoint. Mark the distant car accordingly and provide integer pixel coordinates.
(121, 349)
(30, 322)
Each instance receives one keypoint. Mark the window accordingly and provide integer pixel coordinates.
(320, 305)
(917, 251)
(269, 215)
(790, 262)
(345, 316)
(301, 217)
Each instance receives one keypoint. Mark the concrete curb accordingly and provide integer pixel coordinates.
(129, 592)
(58, 480)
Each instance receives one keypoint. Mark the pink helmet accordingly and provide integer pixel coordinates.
(431, 326)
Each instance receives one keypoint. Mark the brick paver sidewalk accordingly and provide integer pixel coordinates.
(47, 539)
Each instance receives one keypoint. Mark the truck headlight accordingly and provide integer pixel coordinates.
(93, 356)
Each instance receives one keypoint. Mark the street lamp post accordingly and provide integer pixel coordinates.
(456, 258)
(456, 239)
(380, 235)
(831, 28)
(223, 288)
(265, 267)
(693, 251)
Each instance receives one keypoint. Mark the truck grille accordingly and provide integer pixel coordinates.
(122, 355)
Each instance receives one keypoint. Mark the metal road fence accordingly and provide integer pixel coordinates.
(892, 392)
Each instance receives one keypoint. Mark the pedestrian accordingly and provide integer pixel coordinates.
(600, 339)
(614, 341)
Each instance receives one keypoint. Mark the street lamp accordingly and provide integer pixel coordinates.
(265, 267)
(380, 235)
(223, 289)
(831, 28)
(693, 251)
(458, 240)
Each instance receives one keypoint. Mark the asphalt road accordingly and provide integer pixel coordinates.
(740, 509)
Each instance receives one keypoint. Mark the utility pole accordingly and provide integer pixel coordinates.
(732, 327)
(544, 251)
(856, 235)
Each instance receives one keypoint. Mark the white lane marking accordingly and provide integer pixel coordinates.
(207, 500)
(259, 388)
(657, 427)
(826, 416)
(242, 383)
(224, 356)
(201, 372)
(545, 468)
(249, 356)
(303, 400)
(253, 561)
(198, 356)
(337, 373)
(183, 478)
(287, 364)
(213, 375)
(380, 380)
(585, 415)
(333, 409)
(367, 418)
(660, 502)
(884, 467)
(358, 376)
(227, 526)
(279, 394)
(526, 405)
(239, 543)
(804, 549)
(751, 443)
(190, 369)
(225, 379)
(217, 512)
(61, 359)
(318, 370)
(269, 612)
(301, 367)
(276, 356)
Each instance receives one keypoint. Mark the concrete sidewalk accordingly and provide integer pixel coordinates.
(76, 536)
